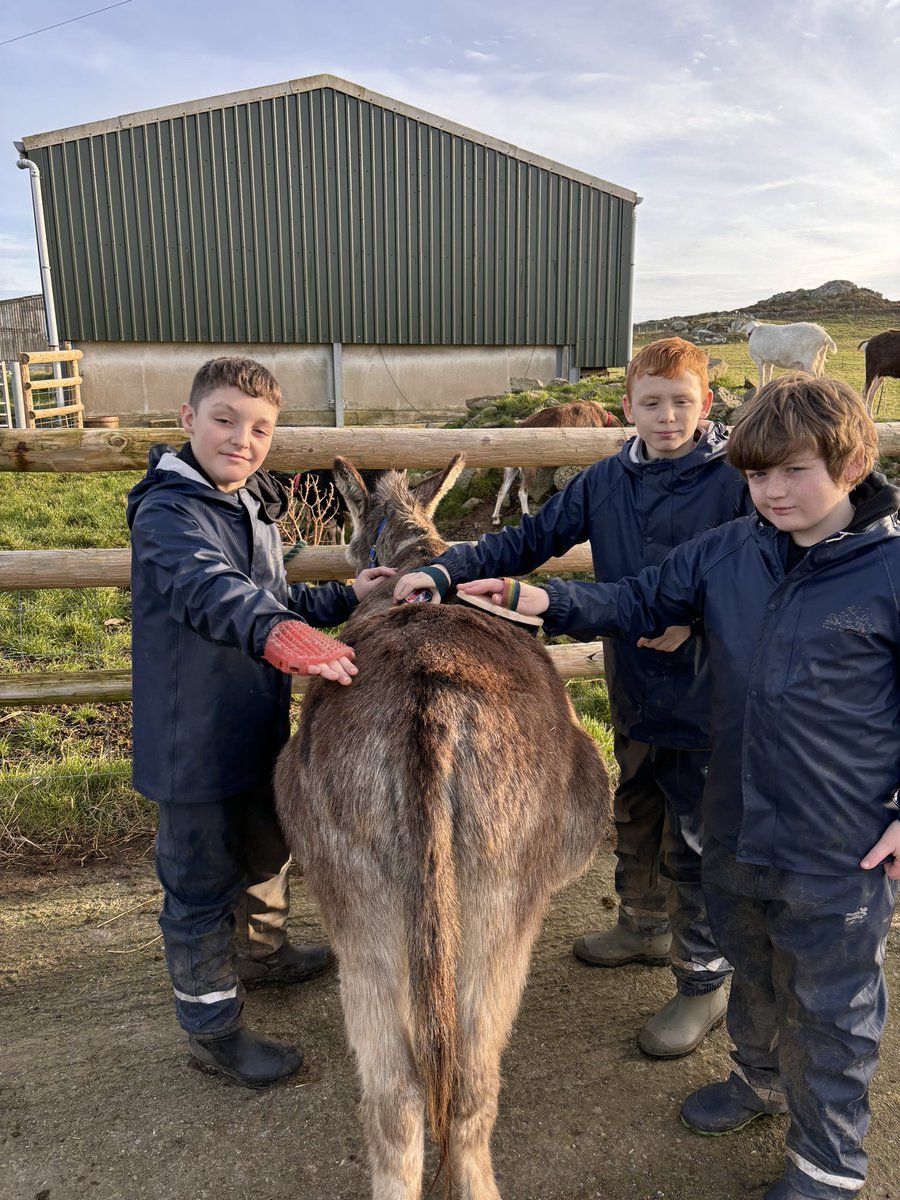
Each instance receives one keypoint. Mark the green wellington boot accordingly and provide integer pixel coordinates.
(620, 945)
(681, 1025)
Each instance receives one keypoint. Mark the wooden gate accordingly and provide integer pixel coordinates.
(43, 409)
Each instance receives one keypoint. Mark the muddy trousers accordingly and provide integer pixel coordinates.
(658, 843)
(808, 1003)
(223, 867)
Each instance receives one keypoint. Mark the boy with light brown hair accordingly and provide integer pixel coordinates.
(667, 484)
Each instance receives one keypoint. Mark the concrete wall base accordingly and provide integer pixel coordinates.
(381, 385)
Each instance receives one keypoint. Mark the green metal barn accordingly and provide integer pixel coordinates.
(385, 262)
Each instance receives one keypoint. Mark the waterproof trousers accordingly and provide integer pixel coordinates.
(224, 871)
(658, 844)
(808, 1003)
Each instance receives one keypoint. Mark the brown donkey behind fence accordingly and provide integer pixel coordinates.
(434, 805)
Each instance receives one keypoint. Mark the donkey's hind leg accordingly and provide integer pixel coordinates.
(496, 952)
(374, 993)
(509, 478)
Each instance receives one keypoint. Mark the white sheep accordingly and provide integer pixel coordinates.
(798, 347)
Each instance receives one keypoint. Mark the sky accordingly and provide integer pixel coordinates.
(764, 138)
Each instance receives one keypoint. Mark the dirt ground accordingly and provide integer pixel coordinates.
(99, 1102)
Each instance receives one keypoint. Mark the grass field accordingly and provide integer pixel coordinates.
(64, 629)
(848, 363)
(65, 771)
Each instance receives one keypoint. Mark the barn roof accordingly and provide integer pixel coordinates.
(310, 83)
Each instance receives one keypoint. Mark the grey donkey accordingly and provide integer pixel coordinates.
(434, 805)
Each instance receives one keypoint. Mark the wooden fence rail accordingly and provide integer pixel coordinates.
(371, 448)
(574, 661)
(30, 570)
(298, 447)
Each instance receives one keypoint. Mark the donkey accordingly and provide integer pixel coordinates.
(882, 362)
(434, 805)
(535, 482)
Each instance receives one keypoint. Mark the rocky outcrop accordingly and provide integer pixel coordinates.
(838, 297)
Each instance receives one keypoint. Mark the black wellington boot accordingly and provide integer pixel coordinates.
(288, 964)
(247, 1058)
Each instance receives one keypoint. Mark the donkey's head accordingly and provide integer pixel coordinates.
(392, 522)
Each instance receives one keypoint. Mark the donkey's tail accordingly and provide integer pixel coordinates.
(433, 926)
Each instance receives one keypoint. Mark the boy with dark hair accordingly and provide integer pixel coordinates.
(216, 634)
(666, 485)
(800, 604)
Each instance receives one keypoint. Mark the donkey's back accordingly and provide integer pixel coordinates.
(435, 805)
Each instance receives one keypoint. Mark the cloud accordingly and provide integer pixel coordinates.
(19, 272)
(762, 166)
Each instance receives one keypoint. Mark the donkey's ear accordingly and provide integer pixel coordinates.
(431, 491)
(349, 483)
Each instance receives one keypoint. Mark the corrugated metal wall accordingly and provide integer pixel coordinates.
(23, 326)
(321, 217)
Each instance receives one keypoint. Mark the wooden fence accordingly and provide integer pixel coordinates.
(78, 450)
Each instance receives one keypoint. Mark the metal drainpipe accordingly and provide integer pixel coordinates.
(631, 282)
(24, 163)
(337, 379)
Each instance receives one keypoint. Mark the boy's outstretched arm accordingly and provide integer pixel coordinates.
(645, 605)
(532, 601)
(561, 523)
(886, 848)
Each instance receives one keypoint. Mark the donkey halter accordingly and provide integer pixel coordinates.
(373, 549)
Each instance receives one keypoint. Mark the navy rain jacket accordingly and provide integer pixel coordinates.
(633, 511)
(208, 585)
(805, 678)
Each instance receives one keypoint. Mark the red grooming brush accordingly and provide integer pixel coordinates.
(294, 647)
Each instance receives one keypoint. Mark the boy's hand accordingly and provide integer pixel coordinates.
(887, 846)
(341, 670)
(532, 600)
(418, 581)
(669, 640)
(368, 579)
(297, 649)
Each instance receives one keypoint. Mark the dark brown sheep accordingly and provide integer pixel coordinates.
(536, 481)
